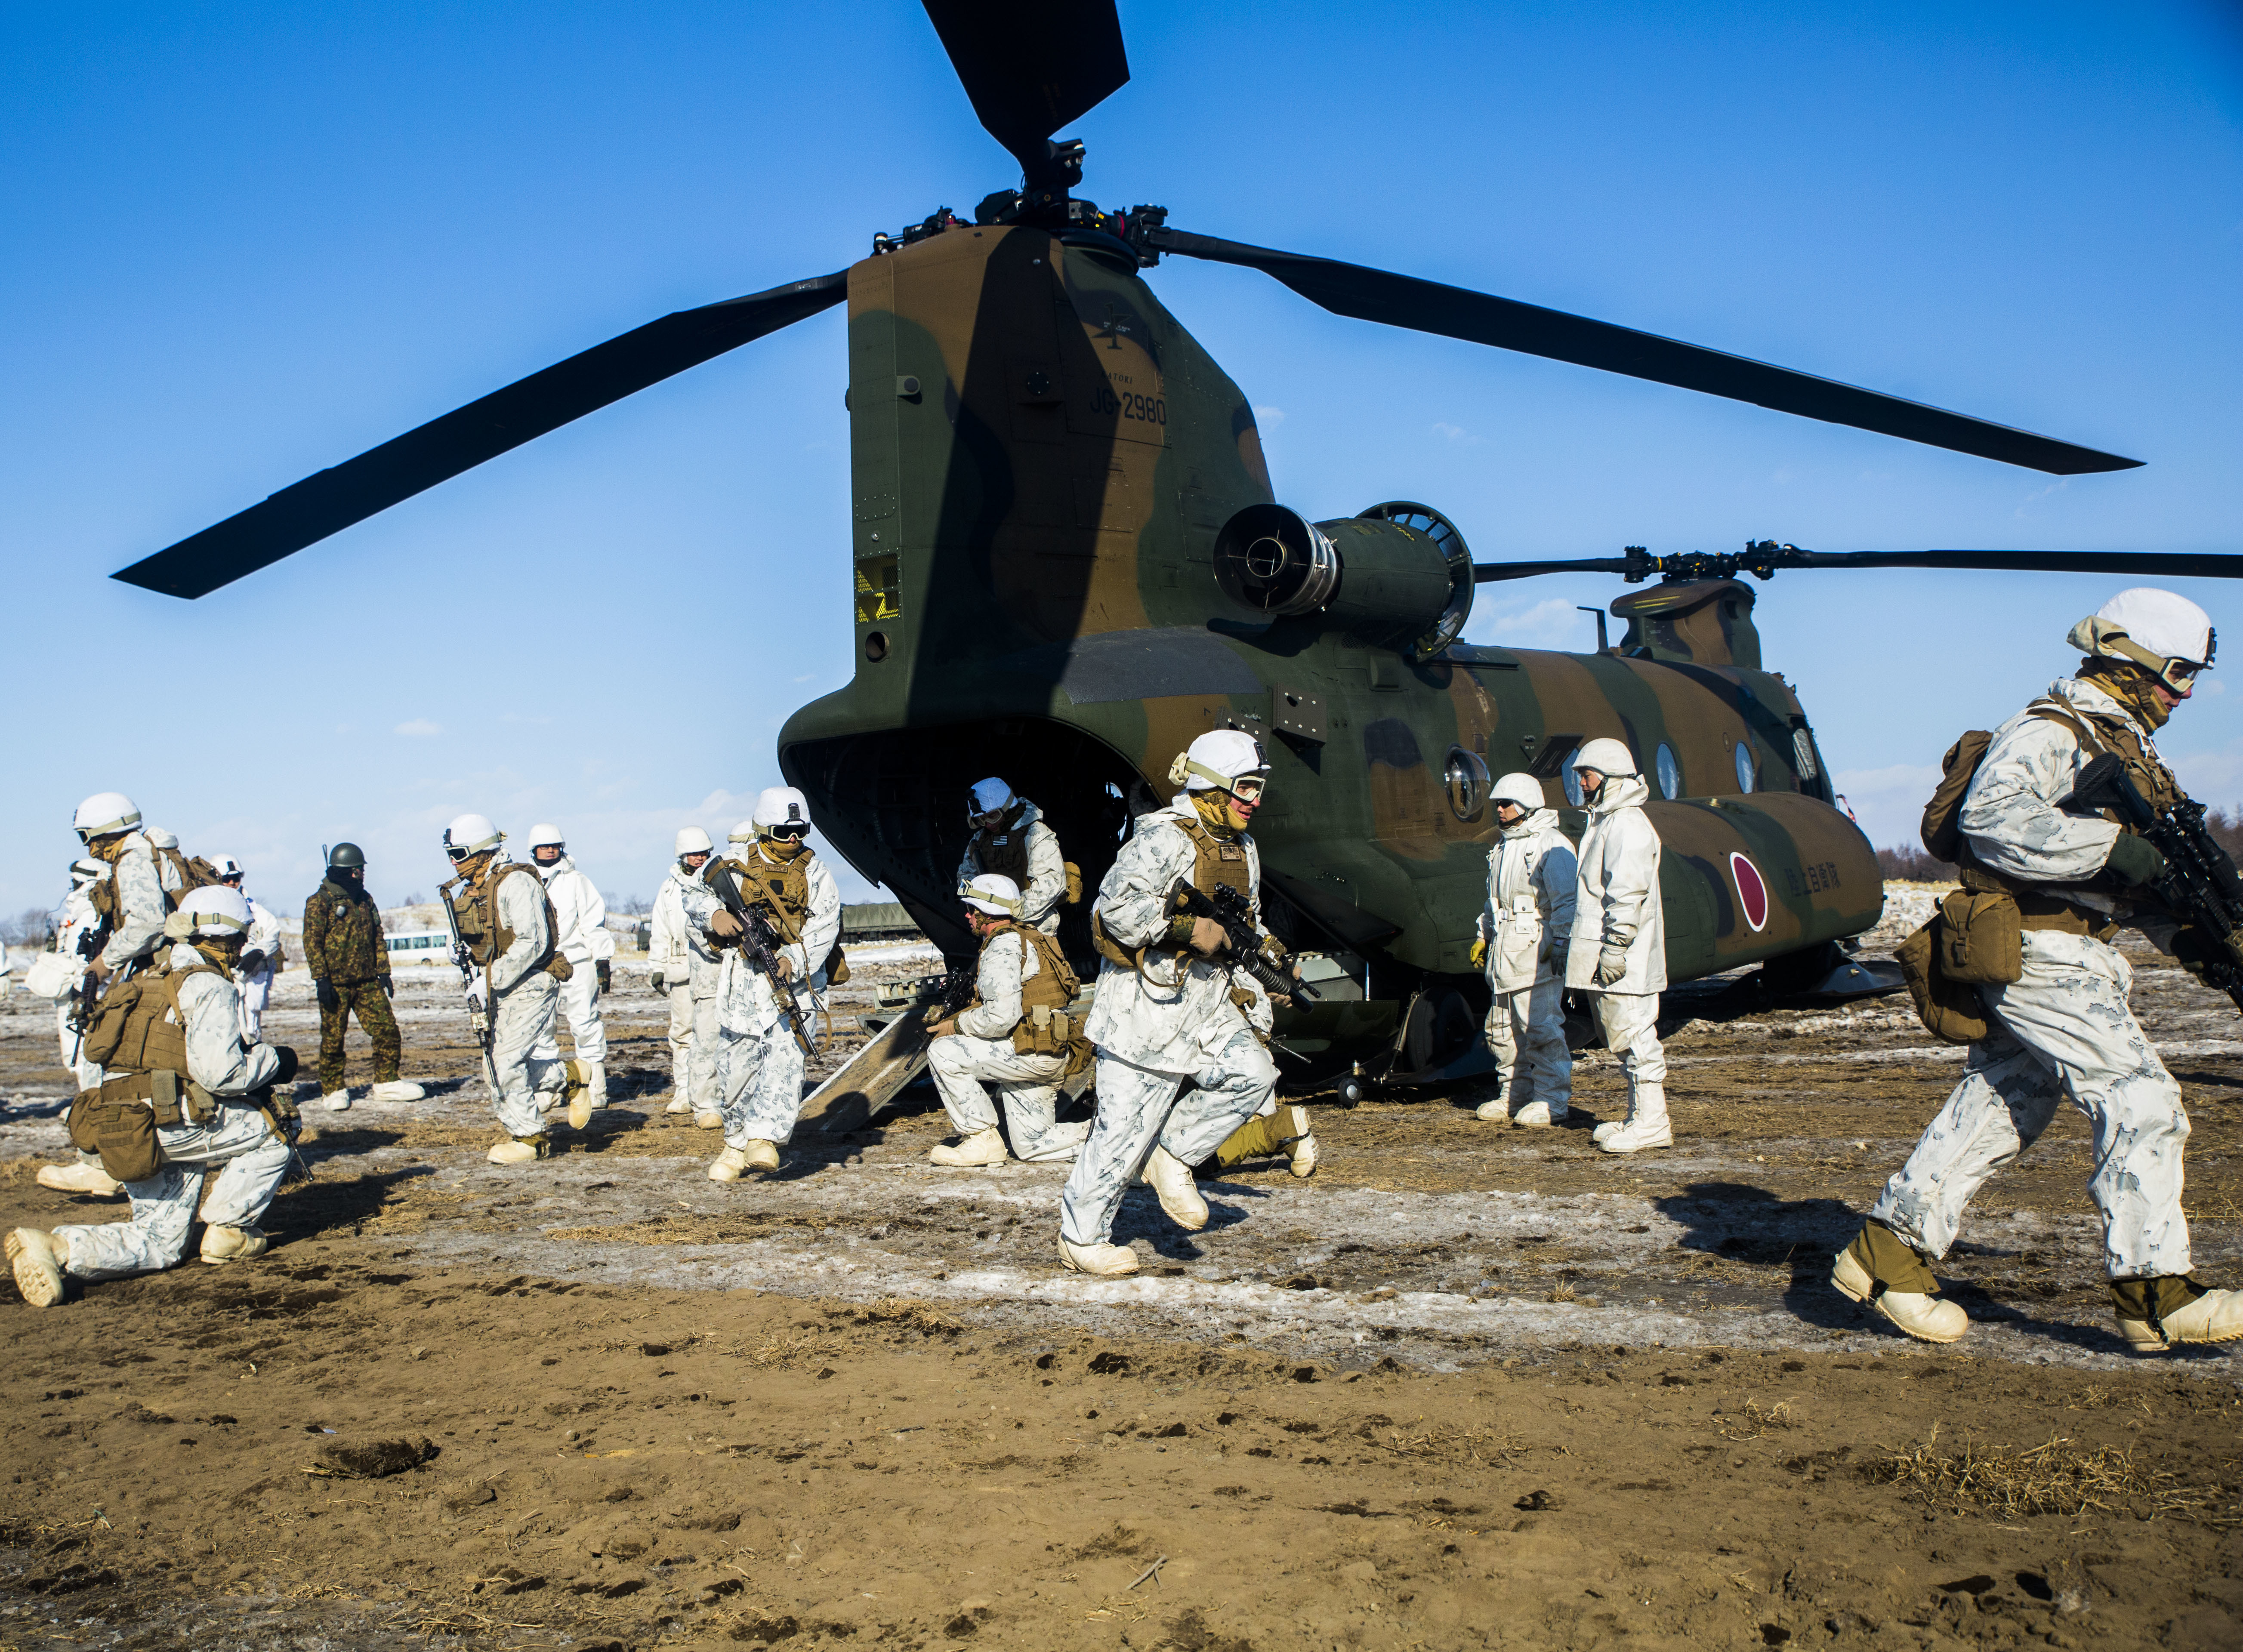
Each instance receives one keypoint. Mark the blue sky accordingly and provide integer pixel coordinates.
(247, 241)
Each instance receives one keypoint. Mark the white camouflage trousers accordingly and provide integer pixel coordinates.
(2061, 1032)
(515, 1072)
(1027, 1085)
(693, 1040)
(249, 1160)
(1138, 1108)
(1630, 1024)
(579, 1006)
(1530, 1023)
(759, 1077)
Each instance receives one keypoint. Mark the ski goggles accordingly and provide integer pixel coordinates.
(792, 830)
(1247, 788)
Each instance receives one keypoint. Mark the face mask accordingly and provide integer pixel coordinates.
(2133, 686)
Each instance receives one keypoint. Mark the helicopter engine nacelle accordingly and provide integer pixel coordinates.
(1380, 580)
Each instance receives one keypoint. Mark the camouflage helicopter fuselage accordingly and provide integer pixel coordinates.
(1043, 461)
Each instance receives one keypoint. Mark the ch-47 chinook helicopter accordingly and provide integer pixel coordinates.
(1068, 562)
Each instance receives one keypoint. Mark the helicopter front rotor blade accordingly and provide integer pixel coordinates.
(333, 500)
(1480, 318)
(1763, 559)
(1031, 66)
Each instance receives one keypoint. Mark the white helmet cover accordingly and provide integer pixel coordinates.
(778, 806)
(472, 833)
(743, 833)
(2150, 626)
(1521, 788)
(228, 867)
(691, 840)
(214, 910)
(105, 812)
(83, 872)
(1218, 761)
(546, 832)
(994, 893)
(989, 796)
(159, 837)
(1605, 755)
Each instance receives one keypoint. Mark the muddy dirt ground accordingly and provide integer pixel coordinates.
(1468, 1387)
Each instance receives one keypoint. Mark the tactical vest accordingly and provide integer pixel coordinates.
(196, 872)
(780, 889)
(140, 1039)
(1045, 1028)
(1003, 852)
(1215, 864)
(487, 934)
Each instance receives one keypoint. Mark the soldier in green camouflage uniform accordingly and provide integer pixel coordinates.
(350, 971)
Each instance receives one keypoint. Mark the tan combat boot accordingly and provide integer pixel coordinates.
(709, 1118)
(577, 1090)
(522, 1150)
(678, 1104)
(38, 1259)
(1496, 1110)
(2157, 1315)
(1540, 1115)
(1300, 1151)
(982, 1147)
(225, 1243)
(1171, 1178)
(396, 1089)
(79, 1178)
(1110, 1261)
(727, 1165)
(1866, 1270)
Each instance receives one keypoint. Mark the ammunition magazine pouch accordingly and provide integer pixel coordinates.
(1073, 896)
(837, 967)
(1980, 938)
(1109, 949)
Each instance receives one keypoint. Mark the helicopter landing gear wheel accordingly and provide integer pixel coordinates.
(1354, 1089)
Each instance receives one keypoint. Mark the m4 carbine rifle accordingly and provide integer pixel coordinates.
(2199, 886)
(472, 977)
(1229, 910)
(759, 946)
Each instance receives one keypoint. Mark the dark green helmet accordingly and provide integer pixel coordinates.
(347, 857)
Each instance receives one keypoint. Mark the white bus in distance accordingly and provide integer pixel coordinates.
(419, 946)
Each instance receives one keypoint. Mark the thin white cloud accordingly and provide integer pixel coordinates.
(1552, 622)
(1889, 802)
(1269, 418)
(418, 729)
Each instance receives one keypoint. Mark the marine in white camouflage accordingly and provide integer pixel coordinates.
(2065, 1029)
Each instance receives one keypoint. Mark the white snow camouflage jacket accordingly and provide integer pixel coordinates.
(678, 950)
(1047, 883)
(583, 912)
(1529, 915)
(211, 1007)
(1618, 893)
(747, 1002)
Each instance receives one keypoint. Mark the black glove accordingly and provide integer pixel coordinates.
(2193, 949)
(600, 969)
(388, 987)
(287, 1072)
(328, 997)
(658, 981)
(2135, 860)
(252, 962)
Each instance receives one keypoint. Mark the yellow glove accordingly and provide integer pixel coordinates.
(1479, 950)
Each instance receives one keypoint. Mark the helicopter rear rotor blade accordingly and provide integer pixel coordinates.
(333, 500)
(1763, 558)
(1031, 66)
(1480, 318)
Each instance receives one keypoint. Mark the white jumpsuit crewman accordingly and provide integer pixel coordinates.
(1022, 979)
(508, 924)
(262, 959)
(181, 1056)
(2064, 1030)
(60, 974)
(584, 939)
(687, 969)
(1164, 1013)
(1524, 932)
(759, 1060)
(1619, 949)
(1011, 839)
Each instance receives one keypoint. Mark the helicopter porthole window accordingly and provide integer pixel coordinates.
(1468, 783)
(1747, 771)
(1670, 773)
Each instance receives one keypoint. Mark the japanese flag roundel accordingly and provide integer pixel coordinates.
(1752, 893)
